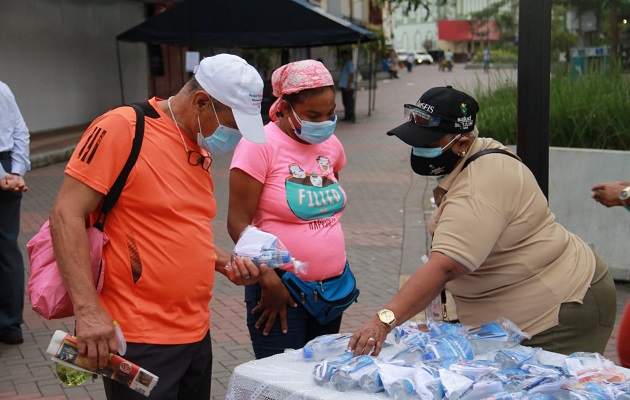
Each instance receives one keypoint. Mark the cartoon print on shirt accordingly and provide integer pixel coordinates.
(316, 180)
(324, 164)
(314, 195)
(296, 171)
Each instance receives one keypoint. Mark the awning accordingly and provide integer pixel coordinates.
(247, 24)
(466, 31)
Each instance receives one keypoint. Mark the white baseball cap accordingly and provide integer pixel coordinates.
(235, 83)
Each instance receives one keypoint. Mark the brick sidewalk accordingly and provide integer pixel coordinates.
(383, 225)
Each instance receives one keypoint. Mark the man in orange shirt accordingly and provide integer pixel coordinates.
(161, 257)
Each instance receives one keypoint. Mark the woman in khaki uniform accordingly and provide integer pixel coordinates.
(496, 245)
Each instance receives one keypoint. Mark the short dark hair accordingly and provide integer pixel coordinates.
(192, 86)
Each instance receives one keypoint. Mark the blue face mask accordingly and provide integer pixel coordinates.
(432, 152)
(223, 140)
(314, 132)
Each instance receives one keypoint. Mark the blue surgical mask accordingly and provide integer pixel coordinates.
(432, 152)
(223, 140)
(314, 132)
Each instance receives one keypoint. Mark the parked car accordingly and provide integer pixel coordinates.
(422, 57)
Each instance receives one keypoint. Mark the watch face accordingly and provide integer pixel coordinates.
(624, 194)
(386, 316)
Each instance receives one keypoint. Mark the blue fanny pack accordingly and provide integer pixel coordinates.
(326, 299)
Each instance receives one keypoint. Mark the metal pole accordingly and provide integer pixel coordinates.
(370, 84)
(374, 84)
(120, 76)
(356, 76)
(534, 42)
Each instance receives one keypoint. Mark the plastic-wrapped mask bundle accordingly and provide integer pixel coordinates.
(324, 370)
(349, 375)
(265, 248)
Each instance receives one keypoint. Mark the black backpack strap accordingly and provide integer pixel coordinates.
(117, 187)
(148, 110)
(488, 151)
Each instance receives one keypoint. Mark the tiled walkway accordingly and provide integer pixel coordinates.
(383, 225)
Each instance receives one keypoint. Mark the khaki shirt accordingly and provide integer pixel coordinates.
(495, 221)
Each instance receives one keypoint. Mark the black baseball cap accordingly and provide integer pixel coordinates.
(439, 111)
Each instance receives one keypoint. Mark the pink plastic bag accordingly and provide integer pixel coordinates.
(49, 297)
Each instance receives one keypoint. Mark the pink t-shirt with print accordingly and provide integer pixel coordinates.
(301, 201)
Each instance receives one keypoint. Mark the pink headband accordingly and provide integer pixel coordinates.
(295, 77)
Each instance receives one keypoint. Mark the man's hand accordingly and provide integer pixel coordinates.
(96, 336)
(607, 194)
(13, 183)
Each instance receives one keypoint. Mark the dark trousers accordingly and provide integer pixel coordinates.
(302, 327)
(347, 97)
(185, 371)
(11, 263)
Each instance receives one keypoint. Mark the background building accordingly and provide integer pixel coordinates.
(453, 26)
(65, 66)
(60, 58)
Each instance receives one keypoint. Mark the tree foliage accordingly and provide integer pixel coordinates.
(408, 6)
(607, 12)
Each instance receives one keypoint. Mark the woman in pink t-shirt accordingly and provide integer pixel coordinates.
(289, 187)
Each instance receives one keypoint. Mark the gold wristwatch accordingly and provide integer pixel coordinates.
(387, 317)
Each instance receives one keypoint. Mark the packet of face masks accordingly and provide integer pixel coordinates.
(265, 248)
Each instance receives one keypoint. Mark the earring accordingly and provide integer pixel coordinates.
(462, 153)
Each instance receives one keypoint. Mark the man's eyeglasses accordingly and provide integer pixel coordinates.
(196, 158)
(420, 117)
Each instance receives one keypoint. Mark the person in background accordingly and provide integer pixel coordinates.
(496, 245)
(386, 68)
(411, 59)
(440, 60)
(486, 60)
(448, 59)
(267, 188)
(392, 62)
(615, 194)
(14, 162)
(161, 257)
(347, 85)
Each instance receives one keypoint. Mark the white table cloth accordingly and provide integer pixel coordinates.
(287, 376)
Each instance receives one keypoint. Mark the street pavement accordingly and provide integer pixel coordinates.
(384, 225)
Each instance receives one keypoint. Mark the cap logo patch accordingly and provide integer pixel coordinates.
(256, 99)
(464, 122)
(426, 107)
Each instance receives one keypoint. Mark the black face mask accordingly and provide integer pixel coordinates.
(440, 165)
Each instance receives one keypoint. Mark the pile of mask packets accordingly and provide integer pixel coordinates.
(449, 361)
